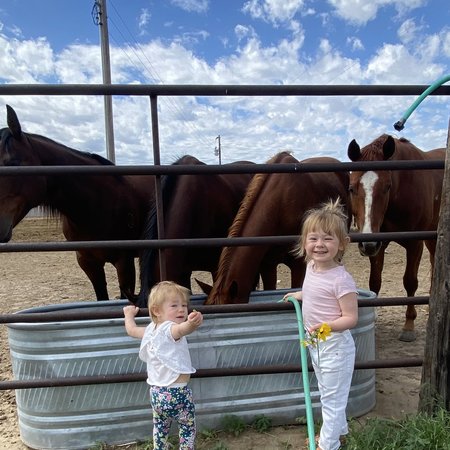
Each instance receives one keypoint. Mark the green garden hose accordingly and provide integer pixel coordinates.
(304, 363)
(401, 123)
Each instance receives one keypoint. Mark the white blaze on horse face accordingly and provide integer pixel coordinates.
(368, 181)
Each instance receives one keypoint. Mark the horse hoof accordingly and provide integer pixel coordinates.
(407, 336)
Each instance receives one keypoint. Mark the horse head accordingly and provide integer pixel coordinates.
(231, 293)
(370, 190)
(18, 194)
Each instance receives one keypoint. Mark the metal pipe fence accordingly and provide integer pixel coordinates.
(153, 91)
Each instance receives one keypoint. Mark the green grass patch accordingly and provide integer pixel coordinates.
(418, 432)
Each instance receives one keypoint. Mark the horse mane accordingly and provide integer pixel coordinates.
(94, 156)
(168, 184)
(372, 151)
(253, 190)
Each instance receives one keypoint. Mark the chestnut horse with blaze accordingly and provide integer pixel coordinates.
(274, 205)
(393, 201)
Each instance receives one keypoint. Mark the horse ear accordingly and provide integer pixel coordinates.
(388, 147)
(205, 287)
(13, 122)
(354, 151)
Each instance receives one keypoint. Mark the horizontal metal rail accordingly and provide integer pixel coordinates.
(209, 169)
(63, 246)
(218, 90)
(116, 313)
(201, 373)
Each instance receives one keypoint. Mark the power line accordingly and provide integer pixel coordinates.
(169, 102)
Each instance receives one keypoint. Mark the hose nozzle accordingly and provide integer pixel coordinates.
(400, 125)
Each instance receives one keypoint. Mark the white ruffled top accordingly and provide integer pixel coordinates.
(166, 358)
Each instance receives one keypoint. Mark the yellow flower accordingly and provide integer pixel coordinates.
(324, 332)
(320, 334)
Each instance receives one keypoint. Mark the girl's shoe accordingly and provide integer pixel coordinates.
(342, 439)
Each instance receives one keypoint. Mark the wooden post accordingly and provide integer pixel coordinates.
(435, 385)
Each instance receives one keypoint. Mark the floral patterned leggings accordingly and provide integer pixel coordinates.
(173, 403)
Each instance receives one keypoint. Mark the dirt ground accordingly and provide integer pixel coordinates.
(42, 278)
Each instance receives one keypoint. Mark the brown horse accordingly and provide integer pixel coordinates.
(397, 200)
(92, 207)
(195, 206)
(273, 205)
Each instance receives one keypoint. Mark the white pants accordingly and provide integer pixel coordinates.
(333, 365)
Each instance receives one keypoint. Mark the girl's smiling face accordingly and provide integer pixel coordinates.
(174, 308)
(322, 248)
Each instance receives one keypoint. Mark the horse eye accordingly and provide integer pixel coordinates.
(351, 189)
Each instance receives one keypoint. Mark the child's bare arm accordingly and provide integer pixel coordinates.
(349, 314)
(131, 327)
(194, 320)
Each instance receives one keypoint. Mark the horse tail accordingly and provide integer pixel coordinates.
(149, 256)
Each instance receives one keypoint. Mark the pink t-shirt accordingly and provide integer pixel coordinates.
(321, 293)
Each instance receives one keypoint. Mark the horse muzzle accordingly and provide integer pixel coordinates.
(369, 248)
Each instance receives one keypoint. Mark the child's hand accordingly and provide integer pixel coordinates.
(297, 295)
(195, 318)
(130, 311)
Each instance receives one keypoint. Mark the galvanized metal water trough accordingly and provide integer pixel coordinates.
(76, 417)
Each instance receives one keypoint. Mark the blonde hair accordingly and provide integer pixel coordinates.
(160, 292)
(331, 218)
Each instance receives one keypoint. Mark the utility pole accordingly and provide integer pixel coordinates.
(218, 150)
(101, 19)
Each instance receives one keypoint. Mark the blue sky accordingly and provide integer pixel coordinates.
(228, 42)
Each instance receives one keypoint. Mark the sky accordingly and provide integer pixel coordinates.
(212, 42)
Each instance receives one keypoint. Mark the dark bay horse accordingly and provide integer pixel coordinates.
(195, 206)
(397, 200)
(92, 207)
(274, 204)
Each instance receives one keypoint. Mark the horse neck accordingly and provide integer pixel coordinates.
(68, 194)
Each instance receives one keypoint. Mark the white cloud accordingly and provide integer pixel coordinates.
(191, 38)
(198, 6)
(408, 31)
(274, 11)
(360, 12)
(242, 32)
(355, 43)
(394, 64)
(143, 20)
(25, 61)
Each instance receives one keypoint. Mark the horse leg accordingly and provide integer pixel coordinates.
(126, 274)
(414, 250)
(376, 269)
(268, 273)
(431, 246)
(298, 269)
(96, 273)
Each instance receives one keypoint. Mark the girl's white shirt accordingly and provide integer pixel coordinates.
(166, 358)
(321, 292)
